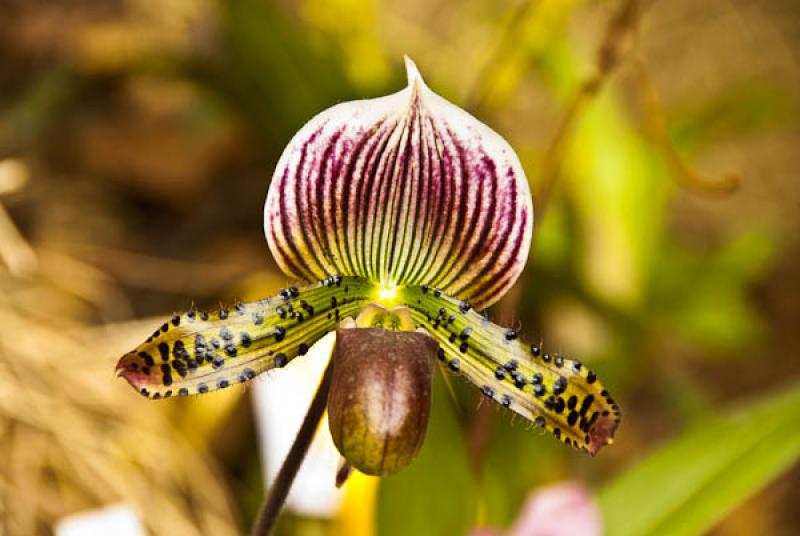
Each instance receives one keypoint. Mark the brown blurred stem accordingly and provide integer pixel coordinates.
(279, 490)
(617, 40)
(656, 125)
(477, 93)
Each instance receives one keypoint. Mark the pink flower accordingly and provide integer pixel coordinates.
(564, 509)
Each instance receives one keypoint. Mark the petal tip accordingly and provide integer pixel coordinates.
(129, 369)
(602, 434)
(412, 73)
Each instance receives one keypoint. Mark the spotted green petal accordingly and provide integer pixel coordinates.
(197, 352)
(553, 392)
(406, 189)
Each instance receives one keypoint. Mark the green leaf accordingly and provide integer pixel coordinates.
(620, 193)
(511, 470)
(701, 295)
(267, 58)
(435, 494)
(690, 484)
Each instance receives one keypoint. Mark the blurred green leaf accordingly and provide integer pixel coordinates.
(518, 459)
(687, 486)
(278, 72)
(702, 295)
(620, 193)
(435, 494)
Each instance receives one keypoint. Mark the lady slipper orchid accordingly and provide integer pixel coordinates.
(411, 215)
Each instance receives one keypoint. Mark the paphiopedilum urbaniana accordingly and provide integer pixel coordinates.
(411, 216)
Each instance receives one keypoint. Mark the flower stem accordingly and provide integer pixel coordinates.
(279, 490)
(617, 41)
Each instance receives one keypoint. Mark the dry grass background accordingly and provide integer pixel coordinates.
(70, 438)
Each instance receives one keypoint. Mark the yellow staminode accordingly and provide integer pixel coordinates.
(387, 293)
(378, 316)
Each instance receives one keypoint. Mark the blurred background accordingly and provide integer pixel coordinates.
(137, 141)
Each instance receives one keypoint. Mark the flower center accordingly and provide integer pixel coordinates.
(387, 293)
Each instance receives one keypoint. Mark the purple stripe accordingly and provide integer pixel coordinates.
(298, 261)
(405, 187)
(478, 252)
(435, 195)
(491, 288)
(460, 209)
(347, 193)
(370, 204)
(320, 222)
(364, 192)
(396, 226)
(303, 227)
(419, 210)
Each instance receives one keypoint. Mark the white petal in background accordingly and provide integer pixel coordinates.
(280, 399)
(117, 520)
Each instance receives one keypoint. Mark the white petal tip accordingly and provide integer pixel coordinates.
(412, 73)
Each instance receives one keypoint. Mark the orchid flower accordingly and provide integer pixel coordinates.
(411, 216)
